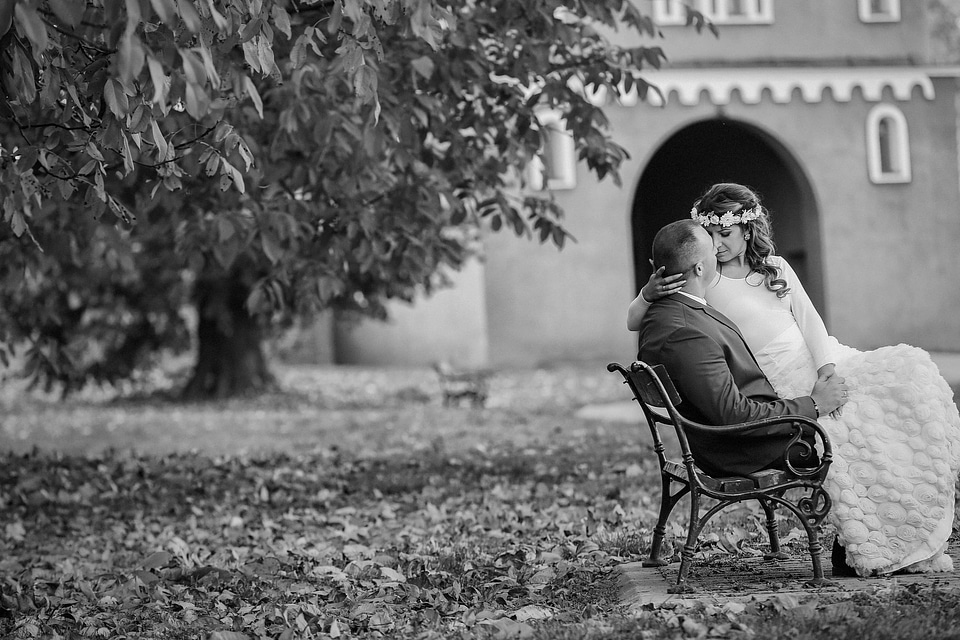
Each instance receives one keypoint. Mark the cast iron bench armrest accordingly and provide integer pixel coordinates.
(795, 422)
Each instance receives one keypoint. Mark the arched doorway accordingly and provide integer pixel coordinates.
(721, 150)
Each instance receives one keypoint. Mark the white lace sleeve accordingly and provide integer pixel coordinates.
(636, 311)
(808, 319)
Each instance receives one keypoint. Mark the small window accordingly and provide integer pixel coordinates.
(666, 12)
(739, 11)
(888, 145)
(880, 10)
(555, 167)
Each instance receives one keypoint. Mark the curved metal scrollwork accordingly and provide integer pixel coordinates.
(815, 506)
(802, 450)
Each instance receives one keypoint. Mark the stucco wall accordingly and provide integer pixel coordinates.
(889, 250)
(449, 326)
(546, 305)
(807, 30)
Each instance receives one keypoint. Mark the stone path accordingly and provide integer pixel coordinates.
(726, 578)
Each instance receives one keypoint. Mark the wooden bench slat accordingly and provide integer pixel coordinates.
(759, 480)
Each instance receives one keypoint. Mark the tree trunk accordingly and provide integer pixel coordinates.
(230, 358)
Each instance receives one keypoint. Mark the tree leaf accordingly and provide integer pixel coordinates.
(70, 11)
(134, 16)
(18, 224)
(32, 26)
(251, 54)
(188, 12)
(197, 101)
(231, 172)
(193, 68)
(23, 76)
(208, 65)
(265, 55)
(210, 168)
(120, 210)
(161, 83)
(271, 248)
(130, 59)
(165, 10)
(336, 17)
(218, 18)
(158, 140)
(251, 90)
(298, 53)
(116, 98)
(365, 83)
(127, 153)
(225, 228)
(6, 17)
(424, 66)
(282, 20)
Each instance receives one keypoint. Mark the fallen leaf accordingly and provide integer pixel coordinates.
(531, 612)
(228, 635)
(157, 560)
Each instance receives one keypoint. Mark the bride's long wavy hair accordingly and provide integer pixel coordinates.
(729, 197)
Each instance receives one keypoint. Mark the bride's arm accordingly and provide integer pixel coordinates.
(809, 320)
(657, 287)
(636, 311)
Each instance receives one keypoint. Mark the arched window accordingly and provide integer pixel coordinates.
(879, 10)
(555, 167)
(888, 145)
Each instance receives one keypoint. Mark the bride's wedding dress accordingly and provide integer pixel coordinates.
(896, 443)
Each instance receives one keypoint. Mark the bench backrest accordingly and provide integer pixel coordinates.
(653, 389)
(644, 378)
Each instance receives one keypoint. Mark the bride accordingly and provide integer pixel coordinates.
(896, 442)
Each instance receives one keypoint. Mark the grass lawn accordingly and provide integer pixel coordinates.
(354, 504)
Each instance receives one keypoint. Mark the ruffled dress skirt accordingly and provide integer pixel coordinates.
(896, 451)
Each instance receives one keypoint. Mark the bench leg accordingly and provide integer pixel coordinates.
(813, 534)
(686, 556)
(659, 531)
(811, 510)
(772, 533)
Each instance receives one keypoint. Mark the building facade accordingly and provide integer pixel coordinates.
(841, 113)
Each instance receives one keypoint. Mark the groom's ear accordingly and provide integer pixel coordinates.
(698, 268)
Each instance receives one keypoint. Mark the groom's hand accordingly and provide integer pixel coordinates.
(830, 393)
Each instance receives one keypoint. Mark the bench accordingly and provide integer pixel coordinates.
(808, 500)
(457, 385)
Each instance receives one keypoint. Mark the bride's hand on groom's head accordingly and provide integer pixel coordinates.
(660, 286)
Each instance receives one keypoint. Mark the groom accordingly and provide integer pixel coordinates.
(719, 380)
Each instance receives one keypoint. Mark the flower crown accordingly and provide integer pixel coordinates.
(729, 218)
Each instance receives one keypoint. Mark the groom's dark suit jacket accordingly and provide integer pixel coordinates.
(719, 382)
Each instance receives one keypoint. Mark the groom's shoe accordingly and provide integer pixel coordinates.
(839, 561)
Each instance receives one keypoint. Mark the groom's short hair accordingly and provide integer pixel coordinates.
(676, 247)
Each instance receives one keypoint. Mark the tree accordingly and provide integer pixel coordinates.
(265, 158)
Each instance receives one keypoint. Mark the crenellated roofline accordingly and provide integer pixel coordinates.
(686, 86)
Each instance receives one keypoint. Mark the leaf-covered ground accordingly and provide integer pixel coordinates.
(355, 505)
